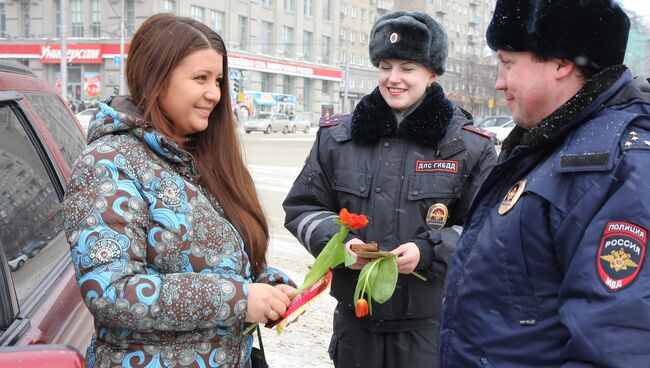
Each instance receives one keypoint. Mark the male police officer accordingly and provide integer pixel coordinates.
(550, 270)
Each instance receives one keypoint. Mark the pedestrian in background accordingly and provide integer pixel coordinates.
(411, 161)
(168, 238)
(550, 270)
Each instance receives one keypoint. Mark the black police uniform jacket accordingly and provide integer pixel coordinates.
(393, 175)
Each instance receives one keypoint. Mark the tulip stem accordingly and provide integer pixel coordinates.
(418, 275)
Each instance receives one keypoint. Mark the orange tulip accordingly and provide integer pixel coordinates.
(361, 309)
(352, 220)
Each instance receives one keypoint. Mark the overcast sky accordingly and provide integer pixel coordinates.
(641, 7)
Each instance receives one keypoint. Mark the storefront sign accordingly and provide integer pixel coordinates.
(76, 54)
(281, 67)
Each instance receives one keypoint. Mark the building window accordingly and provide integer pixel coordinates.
(129, 20)
(353, 10)
(288, 5)
(267, 82)
(57, 17)
(306, 94)
(288, 86)
(24, 17)
(326, 87)
(216, 20)
(169, 6)
(327, 9)
(95, 18)
(306, 45)
(197, 13)
(268, 3)
(307, 8)
(242, 26)
(325, 50)
(266, 37)
(3, 21)
(287, 41)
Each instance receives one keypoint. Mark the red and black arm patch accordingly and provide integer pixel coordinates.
(621, 254)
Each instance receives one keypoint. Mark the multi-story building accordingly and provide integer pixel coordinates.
(282, 53)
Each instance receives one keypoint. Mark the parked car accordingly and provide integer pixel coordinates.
(16, 259)
(34, 247)
(40, 139)
(267, 122)
(85, 117)
(493, 121)
(500, 131)
(299, 123)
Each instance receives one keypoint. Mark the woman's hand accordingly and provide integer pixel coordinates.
(408, 256)
(360, 260)
(266, 302)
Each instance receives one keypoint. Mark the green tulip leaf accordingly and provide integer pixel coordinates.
(332, 255)
(385, 279)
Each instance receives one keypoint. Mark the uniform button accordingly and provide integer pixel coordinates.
(362, 189)
(386, 144)
(415, 193)
(444, 299)
(377, 190)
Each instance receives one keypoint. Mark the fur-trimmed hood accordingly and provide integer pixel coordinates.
(427, 124)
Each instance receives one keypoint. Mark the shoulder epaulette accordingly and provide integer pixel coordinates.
(635, 138)
(476, 130)
(332, 120)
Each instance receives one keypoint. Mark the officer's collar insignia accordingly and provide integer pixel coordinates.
(394, 37)
(437, 216)
(512, 197)
(621, 254)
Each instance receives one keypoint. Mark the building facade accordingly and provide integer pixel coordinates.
(282, 48)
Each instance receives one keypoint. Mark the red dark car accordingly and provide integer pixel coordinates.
(39, 302)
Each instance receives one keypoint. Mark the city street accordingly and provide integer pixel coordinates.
(275, 160)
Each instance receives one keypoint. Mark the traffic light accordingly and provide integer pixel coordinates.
(235, 85)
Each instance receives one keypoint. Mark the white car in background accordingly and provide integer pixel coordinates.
(500, 131)
(85, 116)
(299, 124)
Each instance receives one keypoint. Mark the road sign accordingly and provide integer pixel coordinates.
(234, 74)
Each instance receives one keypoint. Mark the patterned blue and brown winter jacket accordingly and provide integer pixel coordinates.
(162, 271)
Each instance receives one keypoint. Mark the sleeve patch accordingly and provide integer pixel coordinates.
(621, 254)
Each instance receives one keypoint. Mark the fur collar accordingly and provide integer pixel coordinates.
(427, 124)
(561, 121)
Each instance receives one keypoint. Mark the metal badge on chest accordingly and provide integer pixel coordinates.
(512, 197)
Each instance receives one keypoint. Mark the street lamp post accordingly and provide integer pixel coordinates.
(64, 50)
(122, 31)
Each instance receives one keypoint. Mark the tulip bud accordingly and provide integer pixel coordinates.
(361, 309)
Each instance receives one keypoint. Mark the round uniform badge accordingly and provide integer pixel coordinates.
(394, 37)
(512, 197)
(437, 216)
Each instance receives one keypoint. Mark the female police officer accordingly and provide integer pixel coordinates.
(409, 160)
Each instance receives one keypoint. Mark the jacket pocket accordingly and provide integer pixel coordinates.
(352, 182)
(433, 186)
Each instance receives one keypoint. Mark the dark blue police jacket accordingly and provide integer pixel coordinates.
(550, 270)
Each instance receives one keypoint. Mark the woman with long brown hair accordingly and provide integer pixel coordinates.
(167, 235)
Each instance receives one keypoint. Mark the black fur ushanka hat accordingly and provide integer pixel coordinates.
(414, 36)
(588, 32)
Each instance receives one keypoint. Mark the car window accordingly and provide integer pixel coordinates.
(488, 122)
(509, 124)
(262, 116)
(59, 123)
(31, 221)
